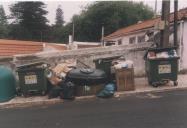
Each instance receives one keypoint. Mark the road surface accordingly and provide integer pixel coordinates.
(148, 110)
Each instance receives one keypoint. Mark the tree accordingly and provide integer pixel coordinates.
(113, 15)
(17, 32)
(3, 23)
(58, 29)
(59, 17)
(31, 17)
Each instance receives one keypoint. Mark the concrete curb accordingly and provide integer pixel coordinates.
(58, 100)
(149, 91)
(126, 93)
(30, 103)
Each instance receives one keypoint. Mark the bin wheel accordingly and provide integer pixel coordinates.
(175, 83)
(43, 93)
(150, 83)
(155, 85)
(25, 95)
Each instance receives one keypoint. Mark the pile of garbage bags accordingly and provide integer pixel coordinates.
(57, 85)
(66, 90)
(121, 63)
(64, 78)
(164, 54)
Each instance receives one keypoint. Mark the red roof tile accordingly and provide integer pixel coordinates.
(13, 47)
(80, 46)
(60, 47)
(182, 14)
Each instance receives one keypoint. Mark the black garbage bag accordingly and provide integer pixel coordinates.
(54, 92)
(68, 91)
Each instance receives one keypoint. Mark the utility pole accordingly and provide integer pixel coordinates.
(155, 9)
(175, 35)
(164, 39)
(73, 31)
(41, 36)
(102, 36)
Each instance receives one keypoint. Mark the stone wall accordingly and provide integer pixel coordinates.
(133, 52)
(7, 62)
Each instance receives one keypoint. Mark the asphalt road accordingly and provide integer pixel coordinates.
(149, 110)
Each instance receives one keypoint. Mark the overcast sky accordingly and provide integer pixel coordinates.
(74, 7)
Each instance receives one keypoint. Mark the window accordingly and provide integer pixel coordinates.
(109, 44)
(119, 42)
(141, 39)
(132, 40)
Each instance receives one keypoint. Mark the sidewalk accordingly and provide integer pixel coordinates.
(141, 86)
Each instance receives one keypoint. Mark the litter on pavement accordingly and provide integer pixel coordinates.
(66, 80)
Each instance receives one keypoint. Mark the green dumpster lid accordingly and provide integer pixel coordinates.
(162, 59)
(161, 49)
(29, 65)
(108, 58)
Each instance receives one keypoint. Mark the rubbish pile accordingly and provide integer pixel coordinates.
(163, 54)
(124, 74)
(57, 84)
(66, 80)
(122, 63)
(59, 72)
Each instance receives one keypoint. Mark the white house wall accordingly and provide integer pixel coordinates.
(137, 57)
(184, 46)
(125, 39)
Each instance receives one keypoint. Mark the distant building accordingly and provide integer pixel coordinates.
(143, 31)
(147, 31)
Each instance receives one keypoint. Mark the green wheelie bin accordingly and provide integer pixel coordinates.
(32, 79)
(161, 70)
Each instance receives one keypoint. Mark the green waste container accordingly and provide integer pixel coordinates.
(32, 80)
(7, 84)
(105, 65)
(161, 70)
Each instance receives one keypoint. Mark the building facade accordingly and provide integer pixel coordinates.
(144, 31)
(149, 31)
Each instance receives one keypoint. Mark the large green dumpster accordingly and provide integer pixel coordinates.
(32, 80)
(161, 70)
(7, 84)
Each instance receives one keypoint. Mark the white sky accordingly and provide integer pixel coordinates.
(74, 7)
